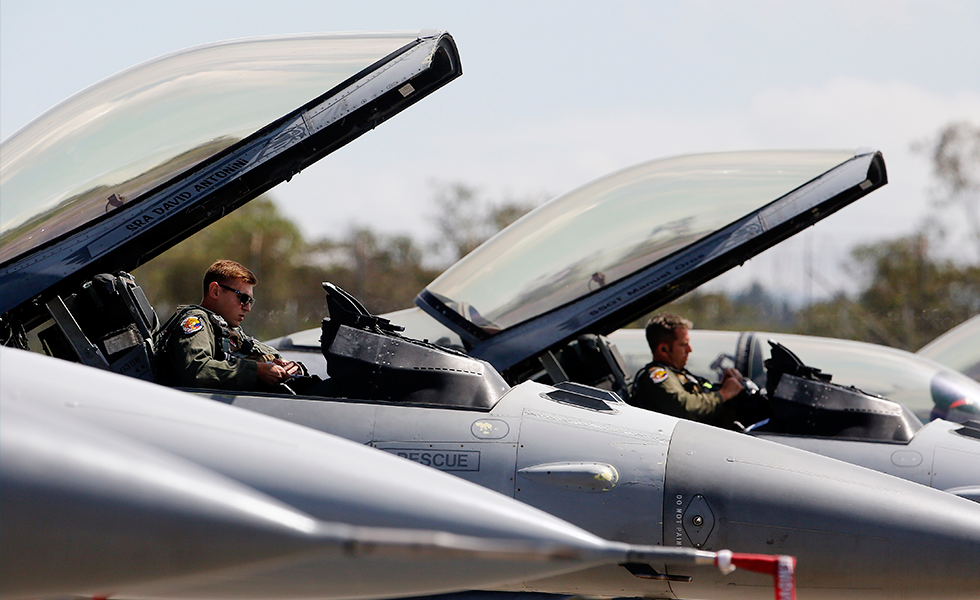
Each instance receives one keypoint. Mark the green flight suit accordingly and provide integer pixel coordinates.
(197, 348)
(679, 393)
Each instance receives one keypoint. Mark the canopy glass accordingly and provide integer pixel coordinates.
(120, 138)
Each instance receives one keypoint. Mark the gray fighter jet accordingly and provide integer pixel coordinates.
(941, 453)
(99, 196)
(112, 486)
(543, 300)
(925, 387)
(958, 348)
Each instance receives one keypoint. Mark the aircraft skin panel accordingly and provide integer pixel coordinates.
(936, 456)
(313, 478)
(752, 494)
(475, 446)
(356, 420)
(490, 464)
(66, 493)
(630, 486)
(854, 510)
(949, 464)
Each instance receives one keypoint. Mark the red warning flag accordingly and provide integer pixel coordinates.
(781, 567)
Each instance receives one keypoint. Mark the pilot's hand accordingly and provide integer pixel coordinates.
(731, 386)
(292, 368)
(732, 373)
(270, 373)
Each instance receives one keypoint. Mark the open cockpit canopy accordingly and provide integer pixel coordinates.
(600, 256)
(134, 164)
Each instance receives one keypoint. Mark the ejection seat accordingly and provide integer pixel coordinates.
(108, 323)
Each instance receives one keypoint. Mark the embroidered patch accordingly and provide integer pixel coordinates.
(659, 374)
(191, 324)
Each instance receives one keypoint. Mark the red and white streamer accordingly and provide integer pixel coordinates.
(781, 567)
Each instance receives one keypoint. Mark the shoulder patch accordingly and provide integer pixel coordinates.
(191, 325)
(658, 375)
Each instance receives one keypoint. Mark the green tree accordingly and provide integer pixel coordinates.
(753, 309)
(912, 296)
(465, 218)
(955, 157)
(261, 238)
(845, 318)
(383, 272)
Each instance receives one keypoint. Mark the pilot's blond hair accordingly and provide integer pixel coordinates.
(224, 270)
(662, 328)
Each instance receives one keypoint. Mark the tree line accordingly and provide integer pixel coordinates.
(383, 271)
(910, 294)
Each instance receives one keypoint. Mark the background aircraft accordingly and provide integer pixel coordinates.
(539, 300)
(925, 387)
(575, 451)
(958, 348)
(939, 454)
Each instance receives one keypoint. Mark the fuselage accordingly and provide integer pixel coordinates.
(641, 477)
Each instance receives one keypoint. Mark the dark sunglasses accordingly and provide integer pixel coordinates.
(244, 298)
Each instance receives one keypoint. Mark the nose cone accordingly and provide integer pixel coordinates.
(857, 533)
(85, 510)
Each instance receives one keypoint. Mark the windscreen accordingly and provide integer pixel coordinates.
(120, 138)
(613, 227)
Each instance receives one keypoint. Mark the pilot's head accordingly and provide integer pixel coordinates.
(228, 290)
(670, 343)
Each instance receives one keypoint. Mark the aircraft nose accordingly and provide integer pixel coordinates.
(857, 533)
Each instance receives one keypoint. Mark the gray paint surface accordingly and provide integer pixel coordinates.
(113, 485)
(857, 533)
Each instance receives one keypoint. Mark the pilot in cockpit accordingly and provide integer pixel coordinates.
(204, 346)
(665, 386)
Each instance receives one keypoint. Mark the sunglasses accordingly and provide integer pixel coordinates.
(244, 298)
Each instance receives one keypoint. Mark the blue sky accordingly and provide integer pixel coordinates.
(555, 94)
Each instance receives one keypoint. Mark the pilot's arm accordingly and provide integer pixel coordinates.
(193, 351)
(660, 389)
(263, 353)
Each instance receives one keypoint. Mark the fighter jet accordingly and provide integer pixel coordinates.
(958, 348)
(84, 206)
(583, 454)
(941, 453)
(925, 387)
(544, 301)
(112, 486)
